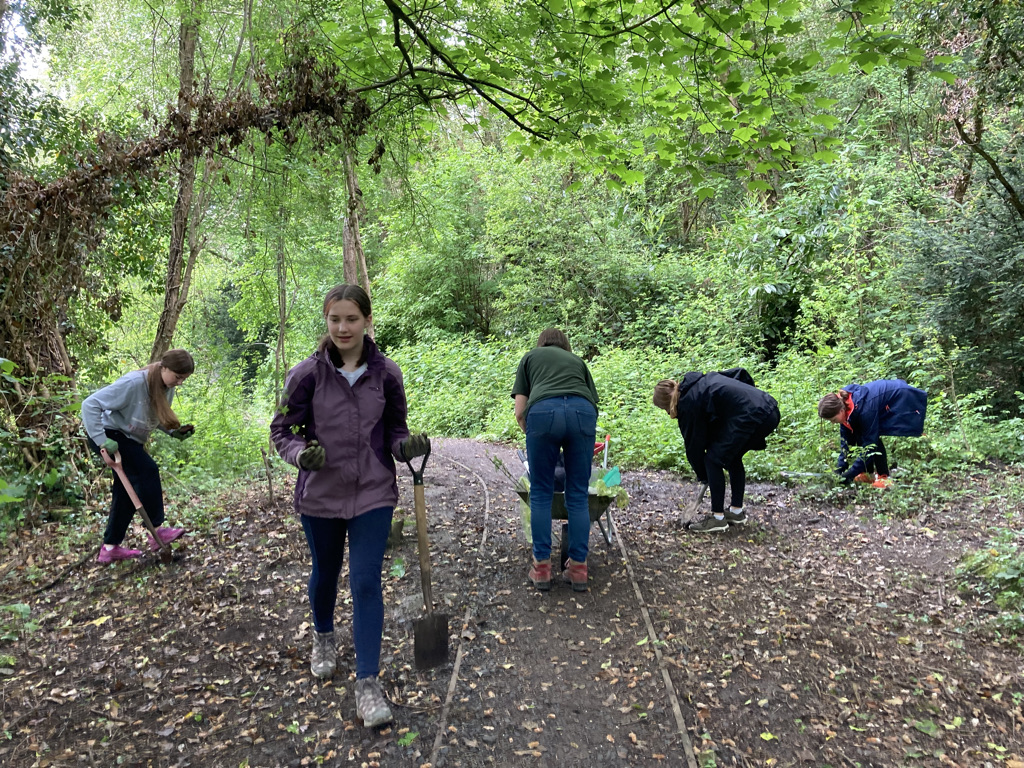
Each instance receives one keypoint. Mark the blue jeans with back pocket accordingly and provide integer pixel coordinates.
(567, 423)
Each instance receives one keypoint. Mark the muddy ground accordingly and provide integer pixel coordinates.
(818, 635)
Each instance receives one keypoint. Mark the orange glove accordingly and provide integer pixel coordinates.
(864, 477)
(882, 481)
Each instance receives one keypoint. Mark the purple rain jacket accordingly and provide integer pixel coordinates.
(360, 428)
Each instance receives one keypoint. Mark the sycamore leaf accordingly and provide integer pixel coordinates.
(946, 77)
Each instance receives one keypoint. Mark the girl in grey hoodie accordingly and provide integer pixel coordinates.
(120, 418)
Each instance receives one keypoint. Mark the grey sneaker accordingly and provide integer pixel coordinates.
(371, 707)
(735, 516)
(324, 658)
(708, 524)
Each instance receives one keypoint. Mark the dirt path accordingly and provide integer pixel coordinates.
(814, 637)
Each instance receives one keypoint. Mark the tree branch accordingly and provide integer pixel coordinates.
(478, 86)
(975, 146)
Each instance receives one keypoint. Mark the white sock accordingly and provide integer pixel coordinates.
(735, 510)
(719, 515)
(108, 547)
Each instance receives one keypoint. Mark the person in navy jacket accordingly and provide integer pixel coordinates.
(865, 412)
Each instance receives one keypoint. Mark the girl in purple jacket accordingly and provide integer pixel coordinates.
(342, 422)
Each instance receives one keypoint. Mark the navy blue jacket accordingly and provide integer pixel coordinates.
(883, 407)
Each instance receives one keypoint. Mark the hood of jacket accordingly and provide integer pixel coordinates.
(689, 381)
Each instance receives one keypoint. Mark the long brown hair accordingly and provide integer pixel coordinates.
(179, 361)
(666, 396)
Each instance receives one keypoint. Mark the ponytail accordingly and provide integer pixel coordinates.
(666, 396)
(833, 404)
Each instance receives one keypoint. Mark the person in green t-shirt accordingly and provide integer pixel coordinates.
(556, 406)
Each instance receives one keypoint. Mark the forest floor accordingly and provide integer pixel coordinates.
(817, 635)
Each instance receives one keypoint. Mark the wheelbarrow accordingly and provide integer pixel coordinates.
(598, 506)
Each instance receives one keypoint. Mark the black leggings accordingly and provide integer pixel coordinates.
(144, 476)
(727, 456)
(716, 482)
(877, 459)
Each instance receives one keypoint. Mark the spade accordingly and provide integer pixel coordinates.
(166, 554)
(430, 647)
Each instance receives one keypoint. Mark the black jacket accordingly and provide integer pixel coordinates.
(722, 416)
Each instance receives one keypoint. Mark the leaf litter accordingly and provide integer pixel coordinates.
(814, 636)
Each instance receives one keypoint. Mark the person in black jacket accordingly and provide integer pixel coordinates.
(721, 415)
(865, 412)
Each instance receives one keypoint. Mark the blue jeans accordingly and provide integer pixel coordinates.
(367, 537)
(569, 424)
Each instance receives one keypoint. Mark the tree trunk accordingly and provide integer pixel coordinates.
(353, 256)
(178, 270)
(963, 181)
(280, 359)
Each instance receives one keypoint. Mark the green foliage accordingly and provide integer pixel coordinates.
(458, 386)
(996, 572)
(969, 281)
(231, 427)
(16, 621)
(495, 248)
(39, 467)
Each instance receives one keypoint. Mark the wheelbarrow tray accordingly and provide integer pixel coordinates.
(598, 505)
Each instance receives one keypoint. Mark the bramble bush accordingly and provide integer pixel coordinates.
(461, 388)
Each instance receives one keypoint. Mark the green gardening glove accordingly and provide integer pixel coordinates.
(313, 456)
(415, 445)
(110, 446)
(183, 432)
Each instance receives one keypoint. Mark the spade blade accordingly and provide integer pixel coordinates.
(431, 640)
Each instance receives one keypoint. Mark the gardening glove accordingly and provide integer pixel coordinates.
(183, 432)
(864, 477)
(882, 481)
(313, 456)
(415, 445)
(110, 446)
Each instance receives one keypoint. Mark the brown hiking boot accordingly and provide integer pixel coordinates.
(576, 574)
(540, 574)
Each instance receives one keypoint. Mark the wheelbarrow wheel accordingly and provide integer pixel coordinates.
(563, 547)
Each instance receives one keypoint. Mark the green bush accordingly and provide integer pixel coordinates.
(460, 387)
(996, 572)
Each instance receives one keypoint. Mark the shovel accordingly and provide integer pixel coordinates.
(430, 648)
(166, 554)
(696, 503)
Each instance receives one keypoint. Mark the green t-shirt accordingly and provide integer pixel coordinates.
(552, 372)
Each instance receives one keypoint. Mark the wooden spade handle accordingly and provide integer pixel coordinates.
(119, 469)
(423, 545)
